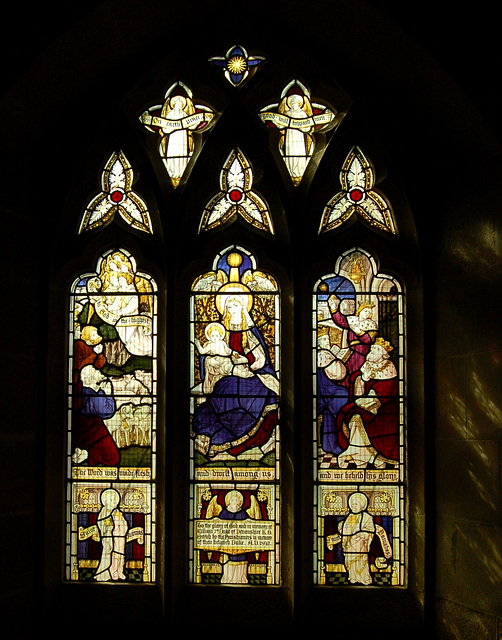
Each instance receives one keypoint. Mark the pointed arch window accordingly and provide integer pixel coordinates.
(238, 295)
(111, 446)
(359, 425)
(234, 414)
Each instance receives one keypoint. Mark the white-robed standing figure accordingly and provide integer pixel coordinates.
(298, 119)
(113, 528)
(297, 143)
(177, 144)
(175, 122)
(357, 531)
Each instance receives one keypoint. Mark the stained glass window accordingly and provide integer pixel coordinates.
(231, 413)
(297, 119)
(236, 198)
(358, 197)
(111, 446)
(359, 425)
(117, 197)
(234, 413)
(176, 122)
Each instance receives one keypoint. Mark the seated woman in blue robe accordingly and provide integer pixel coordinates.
(241, 411)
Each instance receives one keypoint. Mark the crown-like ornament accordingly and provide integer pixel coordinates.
(383, 343)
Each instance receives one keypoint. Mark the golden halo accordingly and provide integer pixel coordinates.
(178, 98)
(214, 325)
(242, 293)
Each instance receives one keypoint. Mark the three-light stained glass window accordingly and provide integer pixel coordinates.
(234, 424)
(234, 371)
(359, 425)
(111, 445)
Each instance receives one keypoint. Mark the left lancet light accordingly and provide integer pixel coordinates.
(117, 196)
(176, 122)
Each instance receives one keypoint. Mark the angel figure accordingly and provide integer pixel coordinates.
(234, 566)
(175, 122)
(297, 119)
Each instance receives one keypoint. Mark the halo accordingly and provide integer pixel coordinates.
(230, 288)
(214, 325)
(231, 493)
(297, 96)
(177, 98)
(356, 497)
(110, 498)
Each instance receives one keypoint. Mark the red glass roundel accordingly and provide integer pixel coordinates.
(235, 195)
(116, 196)
(356, 195)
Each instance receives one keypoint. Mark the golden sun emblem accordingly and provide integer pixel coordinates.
(237, 64)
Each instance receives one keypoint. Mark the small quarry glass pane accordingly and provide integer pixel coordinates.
(359, 425)
(112, 403)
